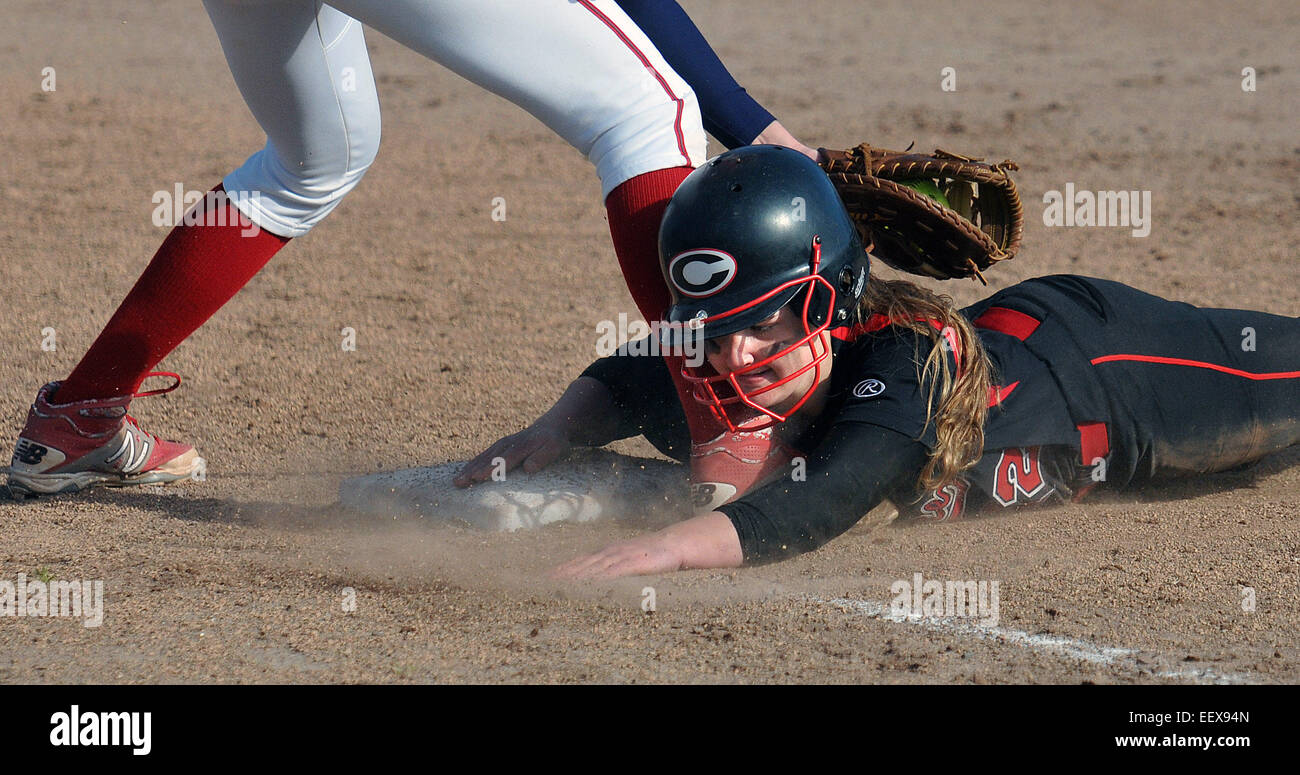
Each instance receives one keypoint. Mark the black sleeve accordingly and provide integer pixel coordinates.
(851, 471)
(727, 110)
(646, 401)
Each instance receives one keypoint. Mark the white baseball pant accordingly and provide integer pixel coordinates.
(582, 67)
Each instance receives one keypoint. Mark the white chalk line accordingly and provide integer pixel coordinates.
(1075, 648)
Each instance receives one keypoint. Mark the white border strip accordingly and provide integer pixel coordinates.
(1074, 648)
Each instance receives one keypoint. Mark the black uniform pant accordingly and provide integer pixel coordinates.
(1189, 389)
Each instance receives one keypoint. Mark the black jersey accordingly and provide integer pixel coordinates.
(1095, 383)
(1033, 449)
(1031, 440)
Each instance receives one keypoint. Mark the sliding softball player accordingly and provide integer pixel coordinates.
(882, 390)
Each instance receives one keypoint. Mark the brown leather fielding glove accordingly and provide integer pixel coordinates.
(940, 215)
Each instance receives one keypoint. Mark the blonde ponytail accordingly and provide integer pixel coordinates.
(956, 403)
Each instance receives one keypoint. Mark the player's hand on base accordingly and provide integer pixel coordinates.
(533, 448)
(641, 556)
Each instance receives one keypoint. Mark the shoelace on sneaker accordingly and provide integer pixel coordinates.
(158, 392)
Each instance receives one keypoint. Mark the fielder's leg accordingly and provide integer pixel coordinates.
(305, 74)
(586, 71)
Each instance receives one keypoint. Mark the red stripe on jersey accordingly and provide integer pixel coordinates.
(1094, 442)
(677, 125)
(848, 334)
(954, 344)
(997, 395)
(1007, 321)
(878, 321)
(1197, 364)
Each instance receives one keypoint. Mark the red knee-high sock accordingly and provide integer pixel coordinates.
(197, 269)
(635, 209)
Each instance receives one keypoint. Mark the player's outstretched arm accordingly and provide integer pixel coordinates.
(778, 520)
(584, 416)
(776, 134)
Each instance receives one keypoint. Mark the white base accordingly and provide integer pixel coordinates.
(591, 484)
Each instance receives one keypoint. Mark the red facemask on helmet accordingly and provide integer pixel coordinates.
(735, 406)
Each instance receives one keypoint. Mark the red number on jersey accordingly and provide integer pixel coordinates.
(945, 504)
(1018, 477)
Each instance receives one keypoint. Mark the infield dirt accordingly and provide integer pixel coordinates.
(467, 328)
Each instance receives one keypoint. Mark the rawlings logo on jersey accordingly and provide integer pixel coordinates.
(946, 504)
(701, 273)
(868, 388)
(1018, 477)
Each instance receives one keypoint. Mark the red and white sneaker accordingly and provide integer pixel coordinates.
(734, 463)
(69, 447)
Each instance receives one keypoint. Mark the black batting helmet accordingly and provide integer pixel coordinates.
(750, 231)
